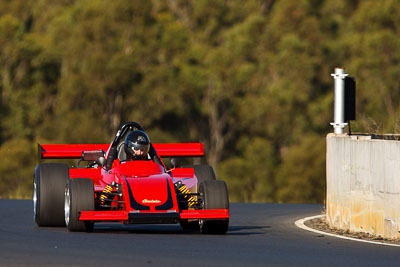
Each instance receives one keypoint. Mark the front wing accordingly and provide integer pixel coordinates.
(136, 217)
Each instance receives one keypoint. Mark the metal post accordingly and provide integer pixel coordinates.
(339, 123)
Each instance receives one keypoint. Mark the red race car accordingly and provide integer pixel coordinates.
(119, 186)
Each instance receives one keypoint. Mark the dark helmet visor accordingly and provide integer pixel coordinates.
(137, 146)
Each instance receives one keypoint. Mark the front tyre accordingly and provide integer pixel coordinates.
(79, 196)
(48, 193)
(203, 173)
(215, 196)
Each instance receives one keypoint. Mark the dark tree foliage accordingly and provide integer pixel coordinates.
(249, 79)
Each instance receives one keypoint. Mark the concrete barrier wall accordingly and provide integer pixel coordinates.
(363, 184)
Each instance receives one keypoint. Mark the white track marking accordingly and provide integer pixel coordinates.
(300, 224)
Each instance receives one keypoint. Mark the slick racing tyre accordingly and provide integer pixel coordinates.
(79, 196)
(202, 172)
(215, 196)
(48, 194)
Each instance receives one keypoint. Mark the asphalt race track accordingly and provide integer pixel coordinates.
(259, 235)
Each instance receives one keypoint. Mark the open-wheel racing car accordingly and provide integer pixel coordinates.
(112, 188)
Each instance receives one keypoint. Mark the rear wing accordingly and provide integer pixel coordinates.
(75, 151)
(180, 150)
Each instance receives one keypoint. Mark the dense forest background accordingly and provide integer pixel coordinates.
(249, 79)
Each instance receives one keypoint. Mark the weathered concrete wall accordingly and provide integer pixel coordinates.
(363, 184)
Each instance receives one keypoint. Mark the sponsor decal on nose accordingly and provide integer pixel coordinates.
(150, 201)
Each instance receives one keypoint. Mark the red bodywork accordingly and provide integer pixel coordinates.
(148, 191)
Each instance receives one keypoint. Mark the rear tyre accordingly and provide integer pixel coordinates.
(48, 194)
(203, 172)
(79, 196)
(215, 196)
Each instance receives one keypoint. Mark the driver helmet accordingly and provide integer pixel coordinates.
(137, 145)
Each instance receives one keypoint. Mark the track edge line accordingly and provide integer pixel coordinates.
(300, 223)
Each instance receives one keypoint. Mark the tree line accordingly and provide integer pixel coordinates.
(249, 79)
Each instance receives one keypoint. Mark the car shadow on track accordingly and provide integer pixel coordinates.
(173, 229)
(141, 229)
(248, 230)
